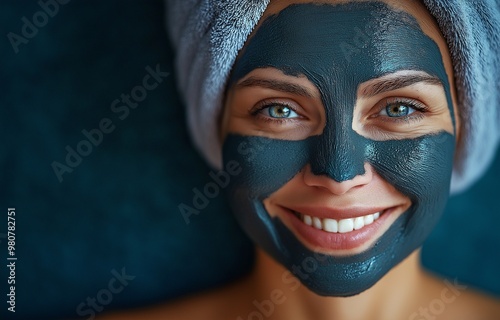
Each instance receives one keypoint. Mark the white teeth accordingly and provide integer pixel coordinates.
(346, 225)
(339, 226)
(317, 223)
(330, 225)
(368, 219)
(308, 220)
(359, 223)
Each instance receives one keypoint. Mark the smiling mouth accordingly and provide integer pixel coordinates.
(339, 226)
(352, 232)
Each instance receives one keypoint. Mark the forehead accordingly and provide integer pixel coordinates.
(415, 8)
(353, 41)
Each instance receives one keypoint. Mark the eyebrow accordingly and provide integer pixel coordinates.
(277, 85)
(384, 85)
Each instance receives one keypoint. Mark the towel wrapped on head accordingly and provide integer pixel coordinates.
(208, 34)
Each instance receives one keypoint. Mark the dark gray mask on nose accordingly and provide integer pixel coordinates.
(337, 48)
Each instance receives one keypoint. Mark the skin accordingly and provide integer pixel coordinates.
(356, 90)
(407, 290)
(404, 293)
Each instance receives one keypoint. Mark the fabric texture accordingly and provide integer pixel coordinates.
(208, 34)
(119, 208)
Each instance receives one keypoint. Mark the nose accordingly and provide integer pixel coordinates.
(339, 152)
(326, 182)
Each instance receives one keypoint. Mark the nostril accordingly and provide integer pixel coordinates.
(325, 181)
(339, 153)
(339, 171)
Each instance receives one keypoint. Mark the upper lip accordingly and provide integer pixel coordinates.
(337, 213)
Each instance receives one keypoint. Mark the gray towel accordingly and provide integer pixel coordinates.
(207, 35)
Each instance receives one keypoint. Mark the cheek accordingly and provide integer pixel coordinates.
(266, 164)
(419, 168)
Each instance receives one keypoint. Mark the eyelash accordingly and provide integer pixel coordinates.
(419, 108)
(257, 112)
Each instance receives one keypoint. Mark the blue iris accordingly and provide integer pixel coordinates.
(278, 111)
(398, 110)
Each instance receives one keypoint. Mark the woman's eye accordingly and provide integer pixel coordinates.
(279, 112)
(397, 110)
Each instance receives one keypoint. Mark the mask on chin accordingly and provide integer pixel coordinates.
(319, 42)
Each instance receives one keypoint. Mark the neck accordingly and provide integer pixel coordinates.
(390, 298)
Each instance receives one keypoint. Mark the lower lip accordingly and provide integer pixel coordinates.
(338, 241)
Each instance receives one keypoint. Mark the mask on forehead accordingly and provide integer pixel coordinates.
(320, 42)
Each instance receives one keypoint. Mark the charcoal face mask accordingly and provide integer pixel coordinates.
(337, 48)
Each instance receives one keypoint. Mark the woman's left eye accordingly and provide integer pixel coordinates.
(397, 110)
(279, 111)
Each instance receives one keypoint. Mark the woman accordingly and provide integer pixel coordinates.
(342, 124)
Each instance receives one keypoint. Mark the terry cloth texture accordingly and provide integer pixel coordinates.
(207, 35)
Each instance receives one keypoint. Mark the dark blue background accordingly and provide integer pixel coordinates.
(119, 207)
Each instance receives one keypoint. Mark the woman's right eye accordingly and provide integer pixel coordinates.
(279, 111)
(276, 112)
(271, 115)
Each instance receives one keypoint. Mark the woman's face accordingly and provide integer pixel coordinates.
(342, 119)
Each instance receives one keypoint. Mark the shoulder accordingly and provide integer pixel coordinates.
(449, 299)
(220, 304)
